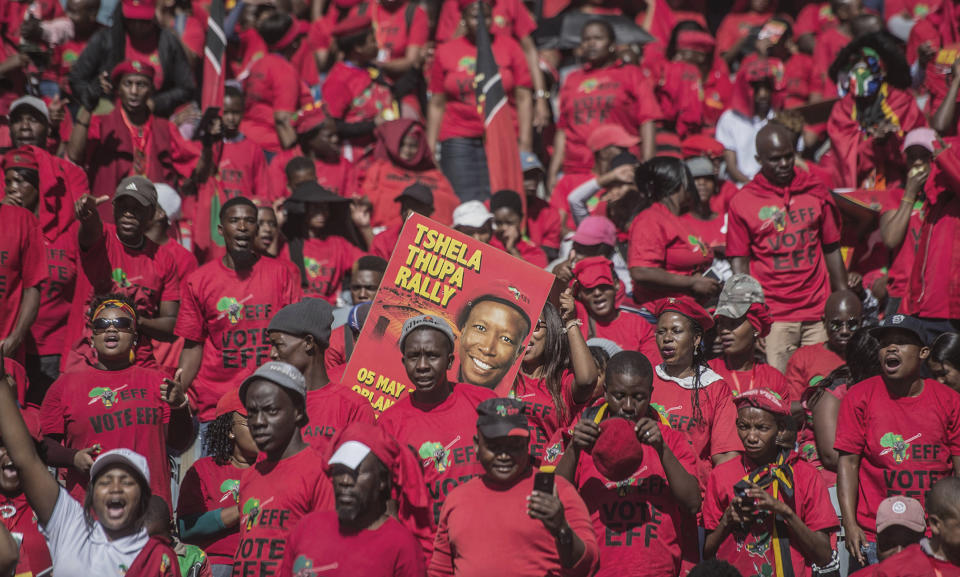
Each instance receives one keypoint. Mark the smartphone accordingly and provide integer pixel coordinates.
(543, 482)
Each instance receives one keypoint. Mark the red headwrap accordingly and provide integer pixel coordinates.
(310, 116)
(687, 307)
(132, 67)
(292, 33)
(406, 474)
(695, 40)
(22, 157)
(701, 145)
(390, 136)
(753, 70)
(759, 317)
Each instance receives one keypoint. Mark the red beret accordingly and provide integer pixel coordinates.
(701, 145)
(617, 453)
(687, 307)
(695, 40)
(352, 25)
(310, 116)
(763, 398)
(230, 403)
(594, 271)
(132, 67)
(139, 9)
(22, 157)
(610, 135)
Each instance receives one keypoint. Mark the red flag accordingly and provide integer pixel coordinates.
(214, 49)
(500, 138)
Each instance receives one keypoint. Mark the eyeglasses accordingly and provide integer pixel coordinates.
(540, 325)
(122, 324)
(852, 325)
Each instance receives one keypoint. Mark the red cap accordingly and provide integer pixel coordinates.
(139, 9)
(687, 307)
(230, 403)
(352, 25)
(594, 271)
(595, 230)
(701, 145)
(22, 157)
(132, 67)
(310, 116)
(617, 453)
(611, 135)
(695, 40)
(763, 398)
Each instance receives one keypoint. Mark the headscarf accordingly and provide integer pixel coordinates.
(758, 315)
(757, 69)
(390, 136)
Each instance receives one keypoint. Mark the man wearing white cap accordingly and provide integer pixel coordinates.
(473, 219)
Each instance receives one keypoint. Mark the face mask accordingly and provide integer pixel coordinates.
(863, 81)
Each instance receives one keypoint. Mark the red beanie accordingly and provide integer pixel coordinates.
(617, 453)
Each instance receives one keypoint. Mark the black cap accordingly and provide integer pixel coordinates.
(900, 322)
(418, 192)
(502, 418)
(624, 158)
(313, 192)
(310, 316)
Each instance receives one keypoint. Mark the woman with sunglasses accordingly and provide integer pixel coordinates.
(557, 376)
(112, 403)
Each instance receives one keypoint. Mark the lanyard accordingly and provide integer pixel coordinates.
(140, 137)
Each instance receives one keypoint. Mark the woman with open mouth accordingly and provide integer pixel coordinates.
(110, 402)
(101, 535)
(16, 514)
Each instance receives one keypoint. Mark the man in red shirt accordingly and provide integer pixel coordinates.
(227, 305)
(22, 269)
(544, 226)
(290, 479)
(938, 555)
(299, 334)
(783, 230)
(897, 434)
(434, 419)
(842, 316)
(368, 468)
(242, 169)
(546, 533)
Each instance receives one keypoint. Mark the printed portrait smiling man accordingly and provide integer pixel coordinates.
(492, 330)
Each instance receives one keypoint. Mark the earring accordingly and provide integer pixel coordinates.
(132, 356)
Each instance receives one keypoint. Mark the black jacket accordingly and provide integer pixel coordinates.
(99, 55)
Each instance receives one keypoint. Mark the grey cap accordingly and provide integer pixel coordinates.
(30, 102)
(701, 166)
(739, 292)
(608, 346)
(428, 322)
(138, 188)
(131, 459)
(310, 316)
(281, 374)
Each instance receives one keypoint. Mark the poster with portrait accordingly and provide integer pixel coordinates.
(490, 299)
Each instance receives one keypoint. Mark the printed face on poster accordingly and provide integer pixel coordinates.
(490, 299)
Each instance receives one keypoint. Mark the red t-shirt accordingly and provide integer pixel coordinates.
(147, 276)
(485, 530)
(736, 25)
(390, 550)
(711, 232)
(629, 330)
(442, 436)
(914, 562)
(567, 184)
(452, 75)
(385, 242)
(760, 376)
(330, 409)
(385, 181)
(274, 497)
(898, 276)
(808, 366)
(394, 36)
(933, 277)
(152, 56)
(830, 42)
(717, 431)
(56, 294)
(590, 97)
(168, 353)
(510, 17)
(813, 18)
(660, 239)
(273, 84)
(755, 554)
(336, 353)
(117, 409)
(529, 252)
(544, 226)
(21, 521)
(339, 178)
(807, 442)
(22, 262)
(638, 521)
(783, 232)
(208, 486)
(243, 171)
(326, 261)
(359, 96)
(543, 415)
(228, 313)
(905, 444)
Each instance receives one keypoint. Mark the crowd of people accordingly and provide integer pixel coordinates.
(748, 364)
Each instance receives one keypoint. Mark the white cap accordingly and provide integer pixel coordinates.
(350, 454)
(30, 102)
(169, 201)
(472, 213)
(132, 459)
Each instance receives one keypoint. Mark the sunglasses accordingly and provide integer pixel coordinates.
(122, 324)
(852, 325)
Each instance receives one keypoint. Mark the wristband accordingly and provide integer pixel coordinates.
(574, 322)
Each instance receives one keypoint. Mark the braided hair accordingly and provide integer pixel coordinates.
(217, 441)
(699, 365)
